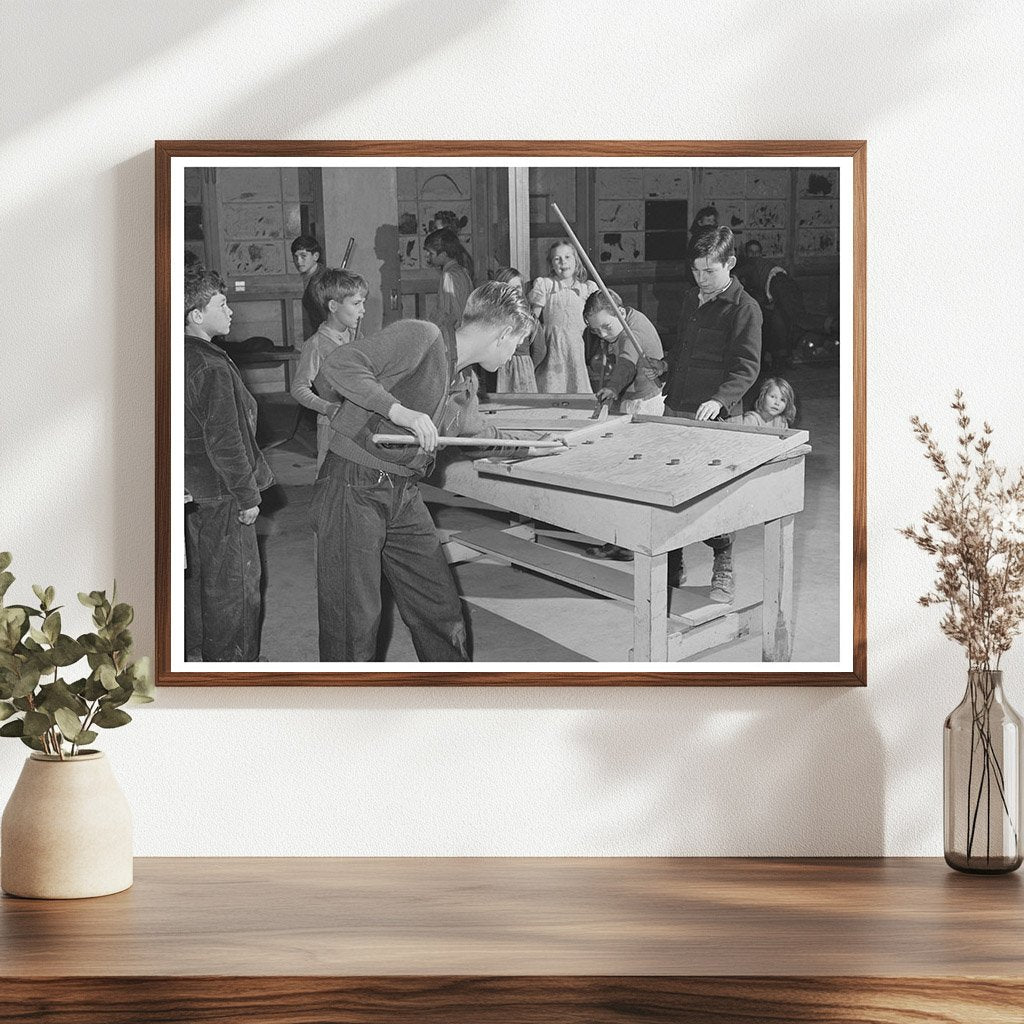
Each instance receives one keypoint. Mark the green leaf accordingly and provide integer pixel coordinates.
(13, 624)
(66, 651)
(50, 595)
(9, 662)
(94, 644)
(28, 610)
(40, 593)
(86, 736)
(6, 579)
(89, 600)
(31, 741)
(115, 698)
(94, 689)
(111, 718)
(122, 616)
(124, 641)
(58, 695)
(6, 710)
(27, 681)
(38, 636)
(5, 560)
(107, 676)
(69, 724)
(15, 728)
(51, 626)
(36, 723)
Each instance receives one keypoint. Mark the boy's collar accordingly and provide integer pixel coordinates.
(334, 333)
(731, 292)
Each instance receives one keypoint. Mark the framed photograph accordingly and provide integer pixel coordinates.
(510, 413)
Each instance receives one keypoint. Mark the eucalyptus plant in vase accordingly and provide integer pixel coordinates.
(975, 530)
(66, 830)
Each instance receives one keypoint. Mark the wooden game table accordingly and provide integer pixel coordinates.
(649, 484)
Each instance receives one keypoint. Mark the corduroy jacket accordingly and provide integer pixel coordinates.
(718, 351)
(221, 455)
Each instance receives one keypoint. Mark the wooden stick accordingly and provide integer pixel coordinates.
(470, 442)
(597, 277)
(344, 266)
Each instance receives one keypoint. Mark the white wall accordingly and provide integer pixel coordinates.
(936, 88)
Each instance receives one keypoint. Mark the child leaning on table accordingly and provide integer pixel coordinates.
(775, 406)
(340, 298)
(635, 381)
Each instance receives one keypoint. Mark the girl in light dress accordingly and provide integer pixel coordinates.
(775, 406)
(558, 300)
(518, 373)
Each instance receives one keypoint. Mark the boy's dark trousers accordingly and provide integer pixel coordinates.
(368, 522)
(222, 585)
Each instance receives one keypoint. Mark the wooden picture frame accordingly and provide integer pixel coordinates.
(808, 219)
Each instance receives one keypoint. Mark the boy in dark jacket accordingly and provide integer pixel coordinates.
(368, 514)
(715, 361)
(224, 473)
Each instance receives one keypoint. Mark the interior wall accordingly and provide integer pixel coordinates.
(937, 90)
(363, 204)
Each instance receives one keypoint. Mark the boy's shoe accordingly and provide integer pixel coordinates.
(722, 585)
(612, 551)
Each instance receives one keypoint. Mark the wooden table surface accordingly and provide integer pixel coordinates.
(503, 939)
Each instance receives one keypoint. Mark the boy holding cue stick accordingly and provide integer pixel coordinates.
(367, 510)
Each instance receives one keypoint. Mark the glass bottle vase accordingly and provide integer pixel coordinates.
(981, 747)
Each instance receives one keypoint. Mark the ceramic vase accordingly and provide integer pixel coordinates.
(66, 830)
(981, 774)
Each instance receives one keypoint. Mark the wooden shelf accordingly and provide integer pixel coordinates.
(573, 941)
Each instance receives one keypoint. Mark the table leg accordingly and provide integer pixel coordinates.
(777, 611)
(650, 607)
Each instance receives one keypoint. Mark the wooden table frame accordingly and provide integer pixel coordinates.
(769, 495)
(509, 940)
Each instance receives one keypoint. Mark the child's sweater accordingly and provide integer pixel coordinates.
(407, 362)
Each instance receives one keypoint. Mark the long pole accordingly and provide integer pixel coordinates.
(348, 252)
(472, 442)
(344, 266)
(597, 277)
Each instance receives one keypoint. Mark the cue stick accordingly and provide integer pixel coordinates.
(597, 277)
(344, 266)
(470, 442)
(348, 252)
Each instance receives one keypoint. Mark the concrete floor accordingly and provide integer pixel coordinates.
(518, 616)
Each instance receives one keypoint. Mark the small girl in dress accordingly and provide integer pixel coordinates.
(339, 296)
(775, 407)
(558, 300)
(518, 373)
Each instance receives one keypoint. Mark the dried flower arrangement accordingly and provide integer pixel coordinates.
(975, 528)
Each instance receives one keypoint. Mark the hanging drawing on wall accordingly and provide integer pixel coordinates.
(578, 443)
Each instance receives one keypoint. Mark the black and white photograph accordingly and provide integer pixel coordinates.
(570, 417)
